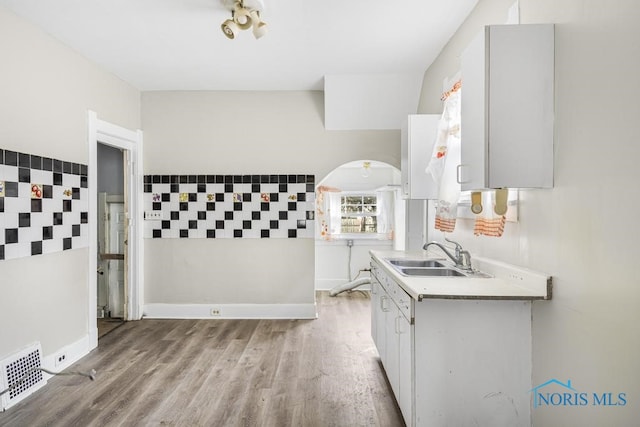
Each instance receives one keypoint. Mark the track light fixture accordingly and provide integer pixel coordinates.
(245, 14)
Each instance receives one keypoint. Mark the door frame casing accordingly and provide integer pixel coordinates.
(131, 141)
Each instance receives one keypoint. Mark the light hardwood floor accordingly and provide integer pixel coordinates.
(322, 372)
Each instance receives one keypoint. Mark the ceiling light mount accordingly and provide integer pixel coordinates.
(245, 14)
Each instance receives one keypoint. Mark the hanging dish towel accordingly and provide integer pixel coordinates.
(488, 222)
(444, 161)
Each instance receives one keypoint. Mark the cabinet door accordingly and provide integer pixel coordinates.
(405, 369)
(418, 134)
(392, 362)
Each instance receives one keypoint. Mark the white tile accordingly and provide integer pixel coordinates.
(8, 173)
(11, 251)
(10, 220)
(41, 177)
(69, 180)
(51, 246)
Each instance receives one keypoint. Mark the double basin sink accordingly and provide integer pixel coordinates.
(430, 268)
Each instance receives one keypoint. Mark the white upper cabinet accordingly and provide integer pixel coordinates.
(507, 108)
(418, 134)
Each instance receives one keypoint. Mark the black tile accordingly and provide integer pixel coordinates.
(165, 179)
(264, 206)
(66, 243)
(75, 168)
(237, 233)
(202, 188)
(24, 175)
(255, 215)
(228, 188)
(166, 197)
(228, 179)
(274, 197)
(237, 206)
(75, 230)
(301, 179)
(165, 225)
(57, 166)
(84, 170)
(283, 188)
(255, 179)
(264, 233)
(84, 182)
(57, 218)
(10, 189)
(146, 179)
(184, 234)
(1, 204)
(246, 197)
(193, 197)
(211, 206)
(184, 179)
(24, 220)
(75, 193)
(274, 225)
(302, 224)
(184, 206)
(246, 179)
(292, 179)
(66, 206)
(174, 179)
(202, 215)
(264, 179)
(10, 158)
(24, 160)
(193, 224)
(293, 234)
(302, 197)
(211, 234)
(202, 179)
(219, 197)
(237, 179)
(36, 162)
(311, 179)
(255, 188)
(66, 167)
(282, 179)
(156, 206)
(84, 217)
(36, 248)
(10, 235)
(175, 215)
(311, 215)
(157, 234)
(47, 191)
(47, 232)
(36, 205)
(273, 179)
(219, 179)
(175, 188)
(155, 179)
(193, 179)
(57, 178)
(1, 156)
(292, 206)
(1, 252)
(219, 225)
(211, 179)
(310, 188)
(283, 215)
(246, 225)
(228, 216)
(148, 188)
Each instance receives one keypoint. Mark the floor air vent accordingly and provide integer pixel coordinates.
(14, 368)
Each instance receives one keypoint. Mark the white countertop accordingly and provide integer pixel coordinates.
(505, 282)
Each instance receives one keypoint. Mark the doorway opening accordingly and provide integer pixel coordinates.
(112, 237)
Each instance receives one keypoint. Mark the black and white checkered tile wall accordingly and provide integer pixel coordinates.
(229, 206)
(44, 205)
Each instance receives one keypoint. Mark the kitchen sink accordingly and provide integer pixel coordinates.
(440, 272)
(415, 263)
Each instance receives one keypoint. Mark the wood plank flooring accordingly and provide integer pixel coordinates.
(322, 372)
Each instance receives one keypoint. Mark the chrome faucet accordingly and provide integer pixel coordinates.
(461, 258)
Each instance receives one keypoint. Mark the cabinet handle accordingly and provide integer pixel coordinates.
(383, 303)
(398, 325)
(458, 180)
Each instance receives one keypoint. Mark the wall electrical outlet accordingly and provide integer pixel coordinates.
(215, 312)
(61, 358)
(153, 215)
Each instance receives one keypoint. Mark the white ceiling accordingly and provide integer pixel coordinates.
(178, 44)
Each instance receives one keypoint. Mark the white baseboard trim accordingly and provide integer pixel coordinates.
(71, 353)
(230, 311)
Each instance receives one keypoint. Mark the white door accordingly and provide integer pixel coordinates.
(117, 238)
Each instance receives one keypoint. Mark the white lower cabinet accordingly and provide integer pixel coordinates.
(453, 362)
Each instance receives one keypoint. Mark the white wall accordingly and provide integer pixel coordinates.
(584, 231)
(46, 91)
(243, 133)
